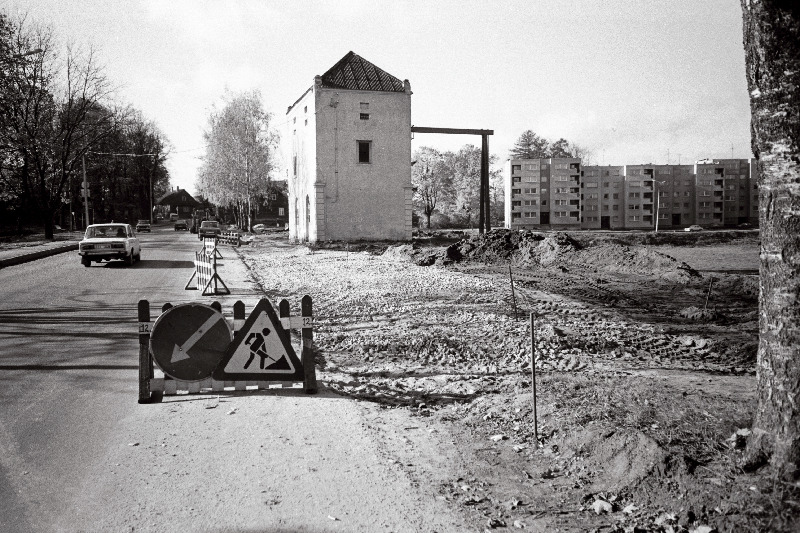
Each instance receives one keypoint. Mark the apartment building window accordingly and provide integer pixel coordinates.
(544, 202)
(676, 205)
(544, 178)
(615, 207)
(530, 166)
(635, 172)
(364, 151)
(635, 183)
(516, 216)
(560, 202)
(615, 196)
(515, 191)
(544, 190)
(530, 214)
(705, 193)
(515, 179)
(592, 195)
(281, 211)
(688, 183)
(592, 185)
(592, 208)
(561, 190)
(633, 195)
(561, 213)
(530, 191)
(705, 204)
(634, 206)
(663, 216)
(687, 193)
(606, 183)
(544, 166)
(686, 205)
(363, 116)
(562, 178)
(516, 168)
(633, 218)
(515, 203)
(676, 194)
(605, 208)
(663, 193)
(530, 202)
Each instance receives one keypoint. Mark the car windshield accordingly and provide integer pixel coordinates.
(209, 224)
(144, 222)
(94, 232)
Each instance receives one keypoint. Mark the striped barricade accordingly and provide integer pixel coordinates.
(173, 335)
(205, 270)
(231, 238)
(210, 247)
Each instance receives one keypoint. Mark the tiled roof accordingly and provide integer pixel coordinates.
(355, 72)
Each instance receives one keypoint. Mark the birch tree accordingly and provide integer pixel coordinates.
(772, 54)
(240, 151)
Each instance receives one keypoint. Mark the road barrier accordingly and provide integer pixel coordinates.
(205, 270)
(210, 247)
(232, 238)
(195, 349)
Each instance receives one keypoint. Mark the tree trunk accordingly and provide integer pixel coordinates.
(772, 54)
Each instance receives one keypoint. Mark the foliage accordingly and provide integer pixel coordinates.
(240, 150)
(448, 183)
(56, 111)
(531, 146)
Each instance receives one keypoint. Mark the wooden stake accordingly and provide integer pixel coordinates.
(533, 377)
(145, 360)
(513, 294)
(306, 342)
(708, 293)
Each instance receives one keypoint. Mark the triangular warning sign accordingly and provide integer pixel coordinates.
(260, 350)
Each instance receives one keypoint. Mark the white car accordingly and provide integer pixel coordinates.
(104, 242)
(693, 227)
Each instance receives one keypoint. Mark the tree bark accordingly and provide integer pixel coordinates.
(772, 53)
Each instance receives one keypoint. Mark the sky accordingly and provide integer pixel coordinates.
(635, 81)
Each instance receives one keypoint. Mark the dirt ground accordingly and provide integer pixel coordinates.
(645, 354)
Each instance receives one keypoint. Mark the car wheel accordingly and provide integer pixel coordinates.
(85, 261)
(129, 259)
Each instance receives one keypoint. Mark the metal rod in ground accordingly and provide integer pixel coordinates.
(708, 293)
(533, 377)
(513, 294)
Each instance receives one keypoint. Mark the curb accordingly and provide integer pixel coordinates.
(24, 258)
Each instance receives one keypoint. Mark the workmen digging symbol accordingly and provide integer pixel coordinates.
(258, 348)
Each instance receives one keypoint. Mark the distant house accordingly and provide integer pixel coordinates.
(350, 169)
(179, 201)
(273, 209)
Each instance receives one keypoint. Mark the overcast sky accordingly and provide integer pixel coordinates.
(637, 81)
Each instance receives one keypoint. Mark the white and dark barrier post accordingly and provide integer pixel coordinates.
(145, 359)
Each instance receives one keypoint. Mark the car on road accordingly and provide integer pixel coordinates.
(693, 227)
(143, 225)
(181, 225)
(104, 242)
(259, 228)
(208, 228)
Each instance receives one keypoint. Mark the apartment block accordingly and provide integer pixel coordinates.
(542, 192)
(711, 193)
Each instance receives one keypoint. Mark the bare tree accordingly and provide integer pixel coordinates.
(53, 114)
(772, 52)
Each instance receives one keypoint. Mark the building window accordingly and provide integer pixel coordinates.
(364, 116)
(281, 211)
(516, 168)
(364, 151)
(544, 178)
(515, 191)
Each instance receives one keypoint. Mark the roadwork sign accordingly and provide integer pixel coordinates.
(261, 349)
(188, 341)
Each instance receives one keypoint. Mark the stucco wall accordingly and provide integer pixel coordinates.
(364, 200)
(301, 123)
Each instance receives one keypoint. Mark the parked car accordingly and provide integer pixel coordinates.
(745, 225)
(208, 228)
(104, 242)
(159, 217)
(259, 228)
(693, 227)
(143, 225)
(181, 225)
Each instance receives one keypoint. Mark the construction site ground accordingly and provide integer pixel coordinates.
(645, 349)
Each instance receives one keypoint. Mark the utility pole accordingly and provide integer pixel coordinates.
(85, 191)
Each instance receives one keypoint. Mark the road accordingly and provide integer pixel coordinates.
(77, 453)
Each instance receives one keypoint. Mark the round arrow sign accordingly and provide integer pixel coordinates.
(189, 340)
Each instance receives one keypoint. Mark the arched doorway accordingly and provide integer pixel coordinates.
(308, 217)
(296, 220)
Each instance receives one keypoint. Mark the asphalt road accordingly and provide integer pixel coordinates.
(77, 453)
